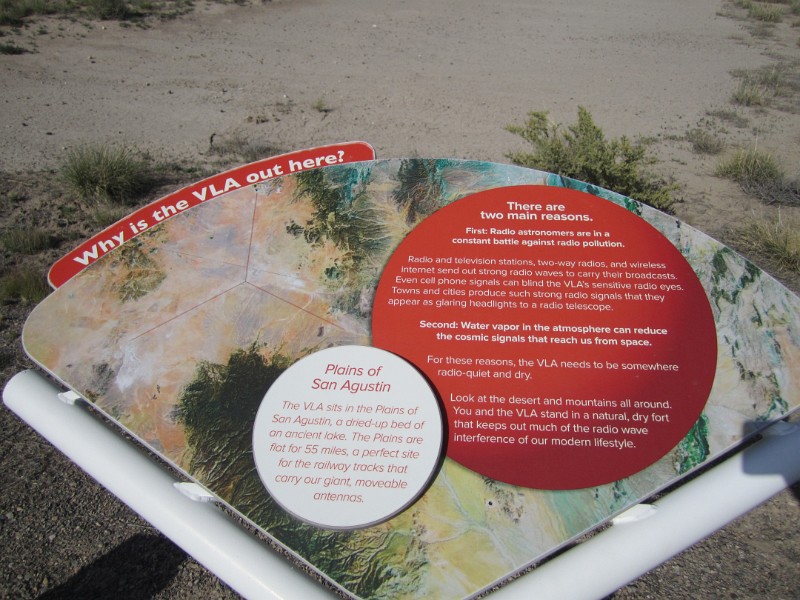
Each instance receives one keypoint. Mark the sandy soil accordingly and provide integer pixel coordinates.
(412, 78)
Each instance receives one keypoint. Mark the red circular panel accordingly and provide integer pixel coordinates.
(571, 343)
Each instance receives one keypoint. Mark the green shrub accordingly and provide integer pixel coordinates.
(108, 173)
(581, 151)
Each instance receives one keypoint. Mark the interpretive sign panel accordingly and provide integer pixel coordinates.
(419, 375)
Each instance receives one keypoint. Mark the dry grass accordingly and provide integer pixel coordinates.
(240, 147)
(15, 13)
(775, 239)
(767, 13)
(115, 174)
(776, 86)
(24, 284)
(729, 116)
(760, 175)
(705, 142)
(749, 167)
(27, 240)
(749, 93)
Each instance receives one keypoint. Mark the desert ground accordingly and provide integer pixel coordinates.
(412, 78)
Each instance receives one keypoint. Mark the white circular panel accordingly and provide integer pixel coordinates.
(347, 437)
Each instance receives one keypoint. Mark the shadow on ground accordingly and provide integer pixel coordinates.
(764, 465)
(137, 569)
